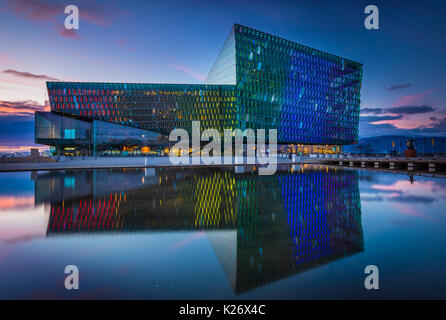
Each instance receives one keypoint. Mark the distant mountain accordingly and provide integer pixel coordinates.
(389, 143)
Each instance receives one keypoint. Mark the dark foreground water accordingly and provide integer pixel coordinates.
(305, 232)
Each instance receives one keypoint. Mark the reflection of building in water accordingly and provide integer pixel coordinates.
(262, 228)
(288, 223)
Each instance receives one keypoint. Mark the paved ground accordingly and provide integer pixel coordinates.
(150, 162)
(132, 162)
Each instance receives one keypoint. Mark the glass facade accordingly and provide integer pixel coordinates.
(224, 69)
(77, 136)
(309, 96)
(65, 132)
(110, 136)
(155, 107)
(258, 81)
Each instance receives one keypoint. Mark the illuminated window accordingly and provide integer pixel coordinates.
(69, 134)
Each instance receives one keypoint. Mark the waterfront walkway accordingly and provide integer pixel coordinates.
(419, 164)
(128, 162)
(429, 164)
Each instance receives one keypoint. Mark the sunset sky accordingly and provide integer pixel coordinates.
(404, 83)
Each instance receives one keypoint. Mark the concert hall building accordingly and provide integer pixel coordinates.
(258, 81)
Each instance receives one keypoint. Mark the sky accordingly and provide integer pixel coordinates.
(176, 41)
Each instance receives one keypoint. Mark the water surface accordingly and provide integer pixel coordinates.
(222, 233)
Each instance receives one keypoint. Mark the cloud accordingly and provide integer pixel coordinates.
(29, 75)
(372, 110)
(371, 125)
(412, 99)
(190, 72)
(412, 199)
(24, 108)
(438, 124)
(35, 9)
(399, 86)
(398, 198)
(401, 110)
(372, 198)
(410, 109)
(102, 14)
(367, 129)
(379, 118)
(436, 128)
(72, 34)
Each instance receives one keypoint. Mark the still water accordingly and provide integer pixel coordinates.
(222, 233)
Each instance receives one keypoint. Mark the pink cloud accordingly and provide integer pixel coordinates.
(411, 99)
(13, 148)
(22, 108)
(417, 123)
(44, 11)
(29, 75)
(36, 10)
(68, 33)
(13, 202)
(411, 211)
(190, 72)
